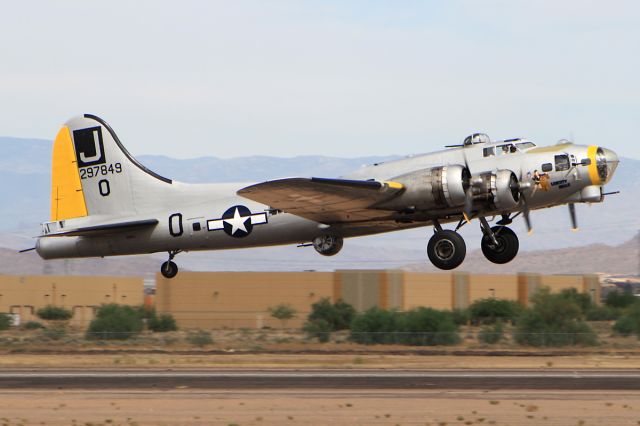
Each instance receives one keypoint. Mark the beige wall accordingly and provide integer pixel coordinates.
(240, 299)
(499, 286)
(24, 295)
(431, 290)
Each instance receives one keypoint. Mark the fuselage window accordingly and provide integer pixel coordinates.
(562, 163)
(489, 152)
(523, 146)
(547, 167)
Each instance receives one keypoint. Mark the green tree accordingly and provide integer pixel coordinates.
(428, 327)
(5, 321)
(629, 322)
(117, 322)
(283, 312)
(582, 300)
(492, 310)
(491, 334)
(162, 323)
(318, 329)
(54, 313)
(617, 299)
(421, 326)
(375, 326)
(554, 320)
(338, 315)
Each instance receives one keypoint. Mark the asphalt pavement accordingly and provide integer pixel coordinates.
(322, 379)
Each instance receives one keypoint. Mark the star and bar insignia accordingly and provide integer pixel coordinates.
(237, 221)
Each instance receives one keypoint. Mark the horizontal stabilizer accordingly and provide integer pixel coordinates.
(325, 200)
(109, 228)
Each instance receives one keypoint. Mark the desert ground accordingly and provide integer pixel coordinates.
(327, 407)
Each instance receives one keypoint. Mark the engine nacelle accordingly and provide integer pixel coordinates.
(434, 188)
(498, 190)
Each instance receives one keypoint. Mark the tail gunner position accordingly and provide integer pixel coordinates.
(105, 203)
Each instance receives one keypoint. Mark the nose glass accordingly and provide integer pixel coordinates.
(606, 161)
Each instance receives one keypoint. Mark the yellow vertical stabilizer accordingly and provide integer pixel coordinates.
(67, 198)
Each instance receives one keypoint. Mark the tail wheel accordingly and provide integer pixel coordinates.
(169, 269)
(446, 249)
(328, 245)
(507, 247)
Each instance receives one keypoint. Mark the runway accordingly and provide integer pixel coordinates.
(323, 379)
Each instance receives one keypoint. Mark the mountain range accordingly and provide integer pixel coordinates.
(24, 189)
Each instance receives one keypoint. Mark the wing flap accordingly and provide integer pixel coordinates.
(325, 200)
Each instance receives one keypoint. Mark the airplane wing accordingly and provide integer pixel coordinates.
(106, 228)
(325, 200)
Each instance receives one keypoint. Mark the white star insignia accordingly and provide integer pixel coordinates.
(237, 222)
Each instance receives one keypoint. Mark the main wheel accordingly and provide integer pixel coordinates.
(507, 247)
(446, 249)
(169, 269)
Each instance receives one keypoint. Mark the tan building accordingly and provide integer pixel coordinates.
(242, 299)
(24, 295)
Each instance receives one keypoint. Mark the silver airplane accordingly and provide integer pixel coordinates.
(105, 203)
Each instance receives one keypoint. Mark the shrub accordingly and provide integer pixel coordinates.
(162, 323)
(629, 323)
(422, 326)
(55, 332)
(460, 316)
(582, 300)
(338, 315)
(200, 338)
(491, 310)
(491, 334)
(54, 313)
(115, 322)
(32, 325)
(319, 329)
(283, 312)
(554, 320)
(428, 327)
(602, 313)
(616, 299)
(5, 321)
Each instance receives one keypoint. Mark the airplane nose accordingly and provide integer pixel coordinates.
(607, 162)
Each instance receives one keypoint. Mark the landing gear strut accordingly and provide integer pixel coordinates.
(169, 269)
(446, 248)
(499, 243)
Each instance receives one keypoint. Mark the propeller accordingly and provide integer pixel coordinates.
(468, 193)
(572, 213)
(520, 186)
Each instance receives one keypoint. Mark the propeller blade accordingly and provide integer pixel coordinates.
(468, 204)
(525, 214)
(574, 220)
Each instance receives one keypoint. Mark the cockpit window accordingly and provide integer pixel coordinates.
(506, 149)
(562, 163)
(523, 146)
(489, 152)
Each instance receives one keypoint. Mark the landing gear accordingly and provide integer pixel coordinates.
(446, 249)
(328, 245)
(499, 244)
(169, 269)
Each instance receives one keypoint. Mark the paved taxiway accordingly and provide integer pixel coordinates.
(323, 379)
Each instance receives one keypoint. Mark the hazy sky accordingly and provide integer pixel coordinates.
(345, 78)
